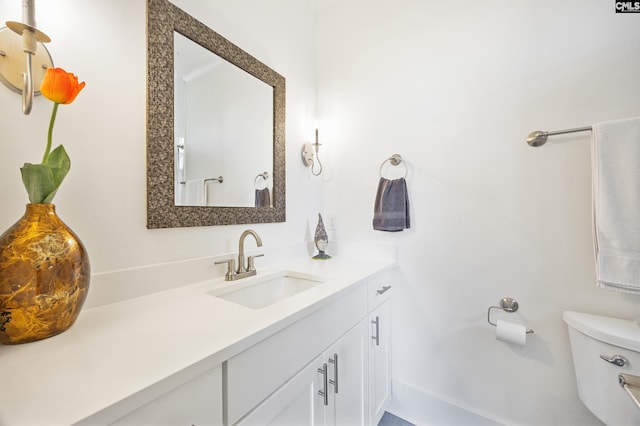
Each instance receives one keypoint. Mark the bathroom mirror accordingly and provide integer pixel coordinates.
(228, 166)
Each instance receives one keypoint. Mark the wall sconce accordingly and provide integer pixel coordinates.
(13, 72)
(310, 154)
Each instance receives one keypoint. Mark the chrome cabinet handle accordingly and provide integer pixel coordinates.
(618, 360)
(324, 393)
(377, 336)
(383, 290)
(334, 382)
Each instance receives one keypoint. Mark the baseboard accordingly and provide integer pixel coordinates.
(424, 408)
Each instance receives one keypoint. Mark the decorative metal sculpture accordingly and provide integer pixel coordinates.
(321, 239)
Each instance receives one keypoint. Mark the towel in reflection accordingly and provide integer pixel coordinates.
(391, 208)
(263, 198)
(194, 193)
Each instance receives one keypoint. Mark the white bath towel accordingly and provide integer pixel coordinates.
(616, 204)
(194, 192)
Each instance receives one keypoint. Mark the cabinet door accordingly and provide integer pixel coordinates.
(256, 373)
(297, 403)
(347, 363)
(197, 402)
(380, 361)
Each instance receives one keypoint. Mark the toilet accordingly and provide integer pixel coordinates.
(603, 348)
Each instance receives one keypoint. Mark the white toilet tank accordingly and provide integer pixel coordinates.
(591, 337)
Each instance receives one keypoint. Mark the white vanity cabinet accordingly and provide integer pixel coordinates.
(331, 390)
(253, 375)
(380, 361)
(379, 290)
(310, 399)
(325, 369)
(197, 402)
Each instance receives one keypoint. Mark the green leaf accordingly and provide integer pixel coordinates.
(38, 181)
(43, 180)
(60, 164)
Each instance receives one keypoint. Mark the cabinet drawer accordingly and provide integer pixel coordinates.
(254, 374)
(379, 289)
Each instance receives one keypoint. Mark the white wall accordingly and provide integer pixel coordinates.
(104, 196)
(455, 88)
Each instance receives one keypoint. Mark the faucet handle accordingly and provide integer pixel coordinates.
(250, 266)
(231, 265)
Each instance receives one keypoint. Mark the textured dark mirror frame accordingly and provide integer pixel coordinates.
(163, 18)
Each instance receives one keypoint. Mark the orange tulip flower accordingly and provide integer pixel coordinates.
(60, 86)
(43, 180)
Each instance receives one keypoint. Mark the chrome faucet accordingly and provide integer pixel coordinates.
(250, 267)
(242, 271)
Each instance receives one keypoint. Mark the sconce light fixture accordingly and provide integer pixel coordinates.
(310, 155)
(17, 74)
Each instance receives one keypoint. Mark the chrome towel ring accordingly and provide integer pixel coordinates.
(260, 181)
(395, 160)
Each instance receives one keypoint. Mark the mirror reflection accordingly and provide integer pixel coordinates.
(223, 124)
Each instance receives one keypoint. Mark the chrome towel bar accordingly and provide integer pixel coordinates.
(539, 138)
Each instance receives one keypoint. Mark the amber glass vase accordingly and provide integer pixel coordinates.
(44, 276)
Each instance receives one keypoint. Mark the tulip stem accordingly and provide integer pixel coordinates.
(50, 134)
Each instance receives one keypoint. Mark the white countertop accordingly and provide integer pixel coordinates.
(124, 354)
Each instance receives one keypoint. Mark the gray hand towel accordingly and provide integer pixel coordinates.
(263, 198)
(391, 208)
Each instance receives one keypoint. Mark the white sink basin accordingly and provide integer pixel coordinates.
(265, 289)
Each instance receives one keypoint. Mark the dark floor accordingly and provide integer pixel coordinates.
(389, 419)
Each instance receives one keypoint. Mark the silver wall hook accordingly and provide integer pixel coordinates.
(19, 75)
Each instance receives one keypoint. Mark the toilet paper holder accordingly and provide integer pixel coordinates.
(507, 304)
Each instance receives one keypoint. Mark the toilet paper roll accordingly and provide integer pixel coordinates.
(511, 333)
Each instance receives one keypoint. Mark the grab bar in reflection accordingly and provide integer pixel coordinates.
(219, 179)
(205, 194)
